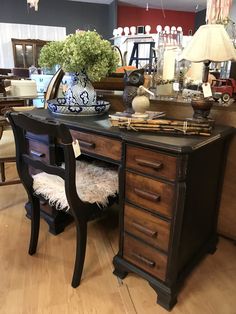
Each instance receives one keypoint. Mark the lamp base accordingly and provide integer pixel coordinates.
(201, 108)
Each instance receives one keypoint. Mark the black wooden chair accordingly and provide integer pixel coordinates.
(7, 151)
(59, 140)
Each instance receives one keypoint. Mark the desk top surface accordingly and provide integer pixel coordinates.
(100, 124)
(9, 98)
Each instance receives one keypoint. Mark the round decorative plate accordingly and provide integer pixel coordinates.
(57, 107)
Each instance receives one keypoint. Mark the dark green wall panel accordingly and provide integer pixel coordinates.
(70, 14)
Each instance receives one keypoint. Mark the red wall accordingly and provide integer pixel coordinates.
(135, 16)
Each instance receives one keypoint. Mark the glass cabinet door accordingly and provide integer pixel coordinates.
(29, 58)
(19, 56)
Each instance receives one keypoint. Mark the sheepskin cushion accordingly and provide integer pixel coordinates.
(95, 182)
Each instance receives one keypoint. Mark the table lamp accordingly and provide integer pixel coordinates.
(210, 43)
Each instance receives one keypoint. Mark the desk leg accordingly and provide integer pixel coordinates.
(119, 271)
(166, 296)
(56, 220)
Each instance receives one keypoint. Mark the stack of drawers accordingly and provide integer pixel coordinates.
(150, 194)
(169, 217)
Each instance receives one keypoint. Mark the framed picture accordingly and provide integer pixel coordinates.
(140, 29)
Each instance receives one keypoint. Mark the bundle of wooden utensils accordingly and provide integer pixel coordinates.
(169, 126)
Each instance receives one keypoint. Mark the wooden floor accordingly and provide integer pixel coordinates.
(41, 283)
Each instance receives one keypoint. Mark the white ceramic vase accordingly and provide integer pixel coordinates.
(80, 91)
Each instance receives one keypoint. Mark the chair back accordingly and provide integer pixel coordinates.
(53, 86)
(58, 139)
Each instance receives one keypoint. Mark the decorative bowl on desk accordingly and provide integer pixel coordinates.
(60, 107)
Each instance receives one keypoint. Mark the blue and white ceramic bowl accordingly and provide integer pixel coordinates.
(60, 107)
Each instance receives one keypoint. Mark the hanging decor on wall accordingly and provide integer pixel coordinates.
(33, 4)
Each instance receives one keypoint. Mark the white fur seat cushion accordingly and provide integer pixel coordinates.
(95, 182)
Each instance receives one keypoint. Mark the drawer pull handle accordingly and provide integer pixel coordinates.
(86, 144)
(145, 230)
(37, 154)
(147, 195)
(149, 164)
(144, 260)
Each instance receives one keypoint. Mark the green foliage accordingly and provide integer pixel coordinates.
(50, 54)
(83, 51)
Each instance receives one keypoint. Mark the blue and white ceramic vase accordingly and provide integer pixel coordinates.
(80, 91)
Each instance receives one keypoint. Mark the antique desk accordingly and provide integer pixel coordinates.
(169, 194)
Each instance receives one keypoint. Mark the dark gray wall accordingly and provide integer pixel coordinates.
(200, 19)
(70, 14)
(112, 17)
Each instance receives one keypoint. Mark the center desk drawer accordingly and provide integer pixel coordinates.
(147, 227)
(150, 194)
(98, 144)
(151, 162)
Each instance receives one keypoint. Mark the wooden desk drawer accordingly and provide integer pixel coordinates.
(145, 257)
(151, 162)
(147, 227)
(98, 144)
(38, 150)
(149, 193)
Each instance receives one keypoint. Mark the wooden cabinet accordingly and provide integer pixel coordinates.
(26, 52)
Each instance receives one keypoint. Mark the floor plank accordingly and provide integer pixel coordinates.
(41, 283)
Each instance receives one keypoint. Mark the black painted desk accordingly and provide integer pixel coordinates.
(170, 189)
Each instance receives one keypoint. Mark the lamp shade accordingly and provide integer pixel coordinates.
(210, 43)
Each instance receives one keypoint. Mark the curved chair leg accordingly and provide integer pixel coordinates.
(81, 239)
(35, 223)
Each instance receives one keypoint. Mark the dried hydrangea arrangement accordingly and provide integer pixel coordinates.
(50, 54)
(84, 51)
